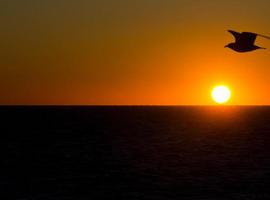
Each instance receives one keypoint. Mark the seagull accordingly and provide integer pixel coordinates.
(244, 42)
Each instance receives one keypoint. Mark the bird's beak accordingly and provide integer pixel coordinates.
(226, 46)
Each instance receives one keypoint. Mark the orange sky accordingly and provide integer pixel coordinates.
(133, 53)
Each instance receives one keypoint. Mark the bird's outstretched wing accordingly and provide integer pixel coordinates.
(248, 37)
(264, 36)
(235, 34)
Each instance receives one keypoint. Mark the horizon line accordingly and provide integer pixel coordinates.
(134, 105)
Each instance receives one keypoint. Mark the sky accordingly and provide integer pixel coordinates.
(118, 52)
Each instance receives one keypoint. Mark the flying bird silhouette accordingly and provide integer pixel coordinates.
(244, 42)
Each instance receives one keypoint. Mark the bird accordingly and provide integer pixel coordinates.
(244, 42)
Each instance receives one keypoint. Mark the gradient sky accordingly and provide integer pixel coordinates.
(130, 52)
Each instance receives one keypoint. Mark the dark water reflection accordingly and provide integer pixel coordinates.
(135, 152)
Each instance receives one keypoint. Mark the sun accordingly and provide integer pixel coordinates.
(221, 94)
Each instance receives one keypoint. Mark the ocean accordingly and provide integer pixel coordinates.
(135, 152)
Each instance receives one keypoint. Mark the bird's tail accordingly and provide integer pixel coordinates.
(264, 36)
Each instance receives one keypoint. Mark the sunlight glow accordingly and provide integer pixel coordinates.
(221, 94)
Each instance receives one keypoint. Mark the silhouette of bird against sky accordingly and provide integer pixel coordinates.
(244, 42)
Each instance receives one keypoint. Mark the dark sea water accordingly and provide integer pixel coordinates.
(135, 153)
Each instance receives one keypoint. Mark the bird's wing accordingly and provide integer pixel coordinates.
(248, 38)
(264, 36)
(235, 34)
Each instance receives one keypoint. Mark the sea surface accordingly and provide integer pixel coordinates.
(135, 153)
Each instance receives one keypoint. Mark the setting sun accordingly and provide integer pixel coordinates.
(221, 94)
